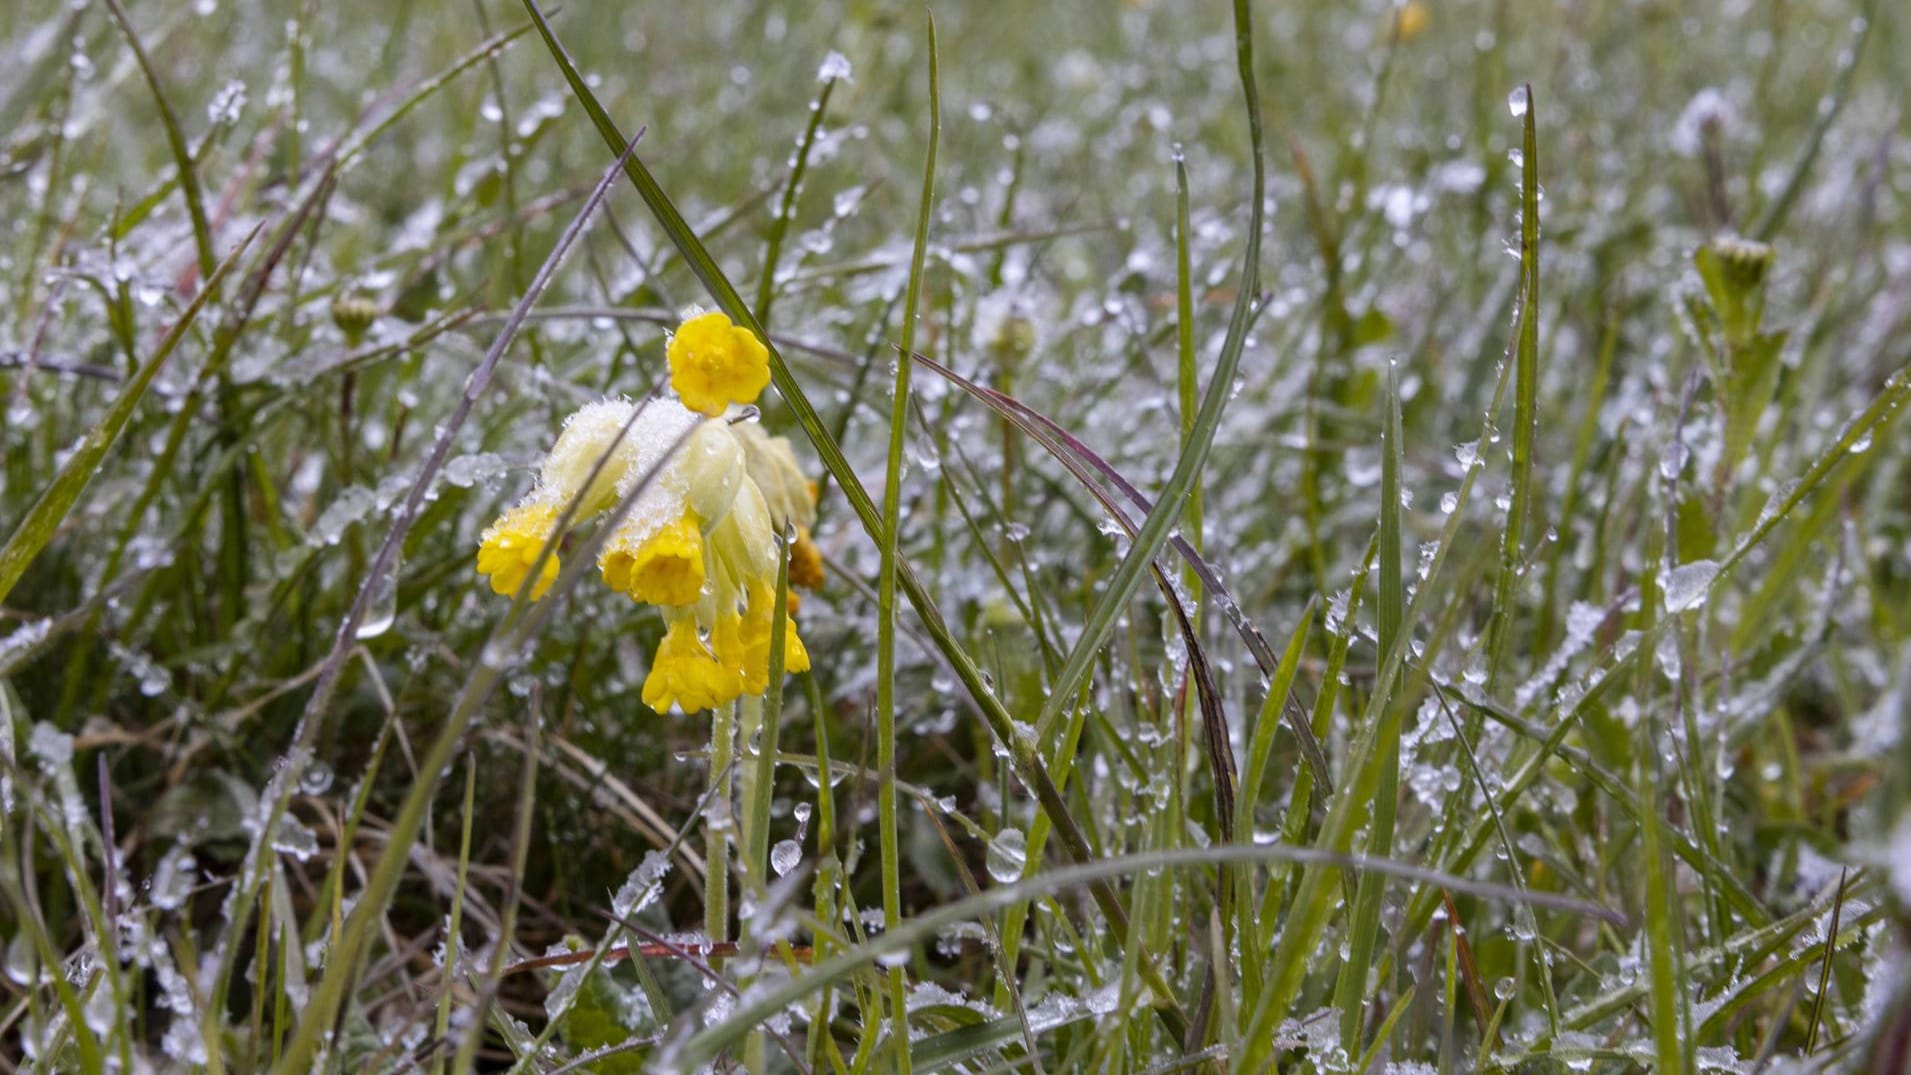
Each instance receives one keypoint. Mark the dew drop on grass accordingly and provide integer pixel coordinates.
(1008, 854)
(293, 838)
(23, 964)
(382, 610)
(834, 68)
(316, 779)
(1519, 101)
(468, 470)
(785, 856)
(1687, 584)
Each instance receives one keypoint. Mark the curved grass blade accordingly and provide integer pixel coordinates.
(1070, 451)
(712, 1041)
(175, 140)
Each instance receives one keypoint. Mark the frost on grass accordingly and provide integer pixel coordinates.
(172, 630)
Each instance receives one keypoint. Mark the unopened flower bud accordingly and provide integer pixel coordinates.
(353, 314)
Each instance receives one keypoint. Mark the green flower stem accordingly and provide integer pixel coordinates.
(717, 819)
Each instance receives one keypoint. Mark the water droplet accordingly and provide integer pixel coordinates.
(1519, 101)
(316, 779)
(785, 856)
(834, 68)
(381, 611)
(1008, 855)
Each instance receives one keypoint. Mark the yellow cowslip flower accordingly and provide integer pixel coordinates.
(589, 434)
(704, 501)
(711, 471)
(511, 546)
(714, 363)
(666, 569)
(684, 673)
(790, 497)
(611, 430)
(771, 462)
(754, 639)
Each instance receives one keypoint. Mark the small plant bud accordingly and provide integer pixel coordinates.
(354, 314)
(1734, 272)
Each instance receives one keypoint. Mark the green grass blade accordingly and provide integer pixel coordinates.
(1168, 509)
(1526, 398)
(890, 538)
(175, 140)
(1351, 992)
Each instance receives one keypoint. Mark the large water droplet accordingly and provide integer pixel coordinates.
(1008, 854)
(382, 610)
(785, 856)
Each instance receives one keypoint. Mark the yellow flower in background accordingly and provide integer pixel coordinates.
(714, 363)
(706, 501)
(806, 563)
(1411, 20)
(511, 546)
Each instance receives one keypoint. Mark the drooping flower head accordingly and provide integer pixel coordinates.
(571, 472)
(708, 499)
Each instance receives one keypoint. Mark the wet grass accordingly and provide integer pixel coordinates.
(1327, 571)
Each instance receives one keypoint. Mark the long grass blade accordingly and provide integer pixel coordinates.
(886, 581)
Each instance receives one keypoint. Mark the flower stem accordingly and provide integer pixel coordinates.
(716, 826)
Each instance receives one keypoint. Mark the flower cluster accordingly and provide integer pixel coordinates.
(709, 496)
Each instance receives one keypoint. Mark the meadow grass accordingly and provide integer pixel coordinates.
(1357, 539)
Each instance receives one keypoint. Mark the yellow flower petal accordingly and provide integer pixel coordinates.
(714, 363)
(686, 675)
(511, 546)
(666, 569)
(748, 648)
